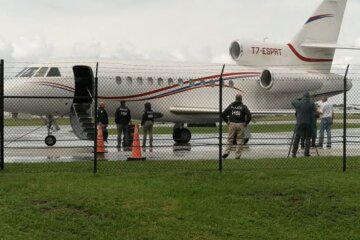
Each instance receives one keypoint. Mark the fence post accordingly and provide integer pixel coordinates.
(2, 114)
(95, 116)
(345, 120)
(220, 117)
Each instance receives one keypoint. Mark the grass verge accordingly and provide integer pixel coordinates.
(253, 203)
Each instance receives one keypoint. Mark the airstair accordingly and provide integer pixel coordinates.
(82, 121)
(82, 110)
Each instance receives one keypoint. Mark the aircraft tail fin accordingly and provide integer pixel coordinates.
(324, 25)
(321, 28)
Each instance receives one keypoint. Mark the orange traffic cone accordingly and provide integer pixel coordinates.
(136, 150)
(100, 146)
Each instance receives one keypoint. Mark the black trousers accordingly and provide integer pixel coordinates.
(312, 144)
(105, 134)
(302, 130)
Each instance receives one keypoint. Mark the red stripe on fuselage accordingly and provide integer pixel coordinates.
(54, 84)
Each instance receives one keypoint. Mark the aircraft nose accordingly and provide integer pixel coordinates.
(10, 91)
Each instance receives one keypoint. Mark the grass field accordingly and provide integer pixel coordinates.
(249, 203)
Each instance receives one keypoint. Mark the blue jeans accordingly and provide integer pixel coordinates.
(325, 125)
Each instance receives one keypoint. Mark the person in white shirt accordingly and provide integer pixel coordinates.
(326, 116)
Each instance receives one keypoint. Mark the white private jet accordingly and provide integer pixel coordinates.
(269, 76)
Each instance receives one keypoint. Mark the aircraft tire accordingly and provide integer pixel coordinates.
(181, 135)
(50, 140)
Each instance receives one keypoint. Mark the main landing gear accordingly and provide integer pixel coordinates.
(52, 126)
(181, 134)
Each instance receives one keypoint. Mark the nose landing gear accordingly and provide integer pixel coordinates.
(50, 139)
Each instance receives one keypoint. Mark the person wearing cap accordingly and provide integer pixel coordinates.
(305, 113)
(122, 120)
(237, 116)
(147, 122)
(103, 120)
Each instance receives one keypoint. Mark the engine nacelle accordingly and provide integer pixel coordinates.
(257, 53)
(299, 81)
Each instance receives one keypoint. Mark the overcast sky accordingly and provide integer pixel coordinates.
(180, 30)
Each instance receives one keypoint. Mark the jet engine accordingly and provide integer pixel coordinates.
(299, 81)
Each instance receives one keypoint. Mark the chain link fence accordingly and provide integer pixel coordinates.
(49, 115)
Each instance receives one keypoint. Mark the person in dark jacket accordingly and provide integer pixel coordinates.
(237, 116)
(313, 131)
(103, 120)
(147, 122)
(122, 120)
(305, 114)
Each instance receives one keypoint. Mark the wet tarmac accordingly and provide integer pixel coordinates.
(23, 144)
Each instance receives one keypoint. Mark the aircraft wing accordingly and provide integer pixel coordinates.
(197, 110)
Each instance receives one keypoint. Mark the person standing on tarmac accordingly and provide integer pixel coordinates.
(305, 114)
(237, 116)
(313, 131)
(122, 120)
(103, 120)
(147, 122)
(327, 117)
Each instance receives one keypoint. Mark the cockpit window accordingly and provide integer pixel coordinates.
(54, 72)
(17, 75)
(29, 72)
(41, 72)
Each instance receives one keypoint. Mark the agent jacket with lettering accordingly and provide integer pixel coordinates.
(122, 115)
(148, 115)
(237, 112)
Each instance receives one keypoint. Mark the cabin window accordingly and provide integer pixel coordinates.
(139, 81)
(180, 82)
(54, 72)
(160, 81)
(129, 80)
(17, 75)
(118, 80)
(150, 81)
(41, 72)
(212, 83)
(30, 72)
(231, 83)
(202, 82)
(191, 82)
(170, 81)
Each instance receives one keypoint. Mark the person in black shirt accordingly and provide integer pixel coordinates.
(305, 114)
(103, 120)
(147, 122)
(122, 120)
(237, 116)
